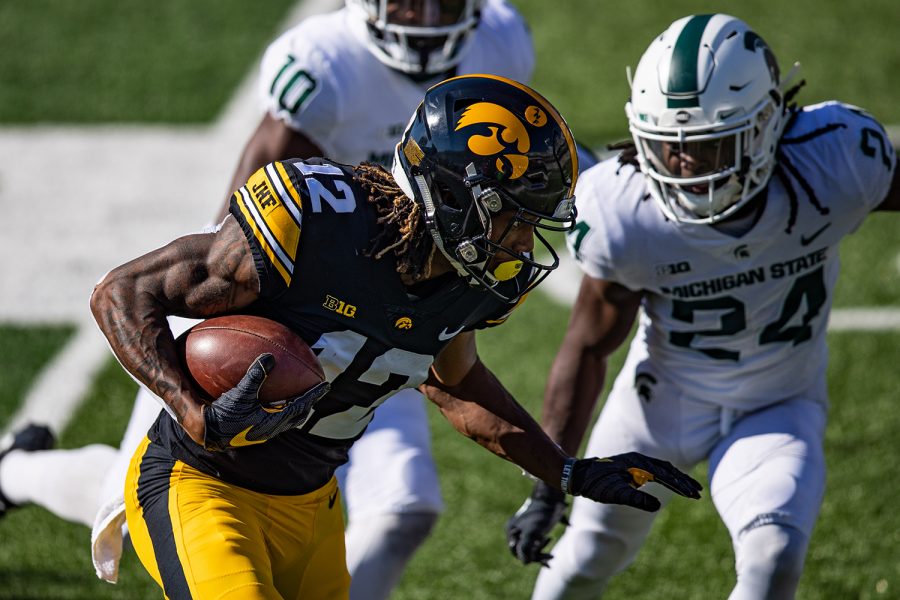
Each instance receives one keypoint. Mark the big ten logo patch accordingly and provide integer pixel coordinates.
(676, 268)
(339, 306)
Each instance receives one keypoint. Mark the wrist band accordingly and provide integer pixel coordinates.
(567, 474)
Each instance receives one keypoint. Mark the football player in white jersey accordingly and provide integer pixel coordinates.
(720, 227)
(341, 85)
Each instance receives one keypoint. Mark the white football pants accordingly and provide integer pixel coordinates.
(767, 478)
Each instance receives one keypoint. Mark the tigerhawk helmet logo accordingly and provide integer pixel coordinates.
(508, 137)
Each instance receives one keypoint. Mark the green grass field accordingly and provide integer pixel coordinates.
(175, 62)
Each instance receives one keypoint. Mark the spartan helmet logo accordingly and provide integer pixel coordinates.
(508, 137)
(753, 42)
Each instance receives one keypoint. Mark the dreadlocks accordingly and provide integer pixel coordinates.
(402, 226)
(627, 153)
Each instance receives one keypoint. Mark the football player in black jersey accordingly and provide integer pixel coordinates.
(231, 497)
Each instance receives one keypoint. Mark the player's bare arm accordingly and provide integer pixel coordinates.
(603, 314)
(194, 276)
(272, 140)
(892, 200)
(479, 407)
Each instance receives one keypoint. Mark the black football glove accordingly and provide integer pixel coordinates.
(237, 418)
(615, 480)
(528, 531)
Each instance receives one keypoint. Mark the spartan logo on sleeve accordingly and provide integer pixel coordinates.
(508, 135)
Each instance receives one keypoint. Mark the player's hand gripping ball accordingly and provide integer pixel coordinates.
(264, 378)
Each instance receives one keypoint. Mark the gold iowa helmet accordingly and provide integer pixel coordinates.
(481, 144)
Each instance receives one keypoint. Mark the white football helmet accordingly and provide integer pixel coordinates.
(706, 114)
(419, 37)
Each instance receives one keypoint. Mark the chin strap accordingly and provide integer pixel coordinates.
(504, 271)
(431, 226)
(430, 210)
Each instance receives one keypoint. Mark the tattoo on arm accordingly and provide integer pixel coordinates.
(195, 276)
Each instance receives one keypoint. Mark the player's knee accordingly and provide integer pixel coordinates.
(379, 547)
(393, 536)
(770, 560)
(591, 556)
(583, 563)
(408, 531)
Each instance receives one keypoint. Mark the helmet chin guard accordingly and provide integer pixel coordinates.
(418, 37)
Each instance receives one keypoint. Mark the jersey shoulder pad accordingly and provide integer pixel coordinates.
(297, 83)
(501, 45)
(269, 208)
(503, 313)
(844, 145)
(612, 204)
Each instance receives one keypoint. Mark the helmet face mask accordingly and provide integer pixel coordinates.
(706, 113)
(418, 37)
(485, 156)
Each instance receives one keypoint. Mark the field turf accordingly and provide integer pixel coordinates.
(175, 62)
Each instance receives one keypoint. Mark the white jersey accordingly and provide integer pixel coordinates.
(740, 321)
(321, 79)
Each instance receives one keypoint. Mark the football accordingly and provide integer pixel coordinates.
(217, 353)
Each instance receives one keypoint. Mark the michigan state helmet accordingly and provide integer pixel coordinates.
(419, 37)
(478, 145)
(706, 114)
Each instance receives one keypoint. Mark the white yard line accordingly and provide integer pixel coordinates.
(56, 393)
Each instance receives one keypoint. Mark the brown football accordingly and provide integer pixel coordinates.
(218, 352)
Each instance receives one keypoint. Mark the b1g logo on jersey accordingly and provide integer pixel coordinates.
(339, 306)
(669, 269)
(508, 136)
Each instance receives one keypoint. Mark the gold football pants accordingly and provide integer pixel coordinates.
(202, 538)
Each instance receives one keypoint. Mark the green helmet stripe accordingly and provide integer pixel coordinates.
(683, 70)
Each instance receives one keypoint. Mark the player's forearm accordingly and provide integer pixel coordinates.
(573, 386)
(480, 408)
(194, 276)
(134, 323)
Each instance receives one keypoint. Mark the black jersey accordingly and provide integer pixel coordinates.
(309, 226)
